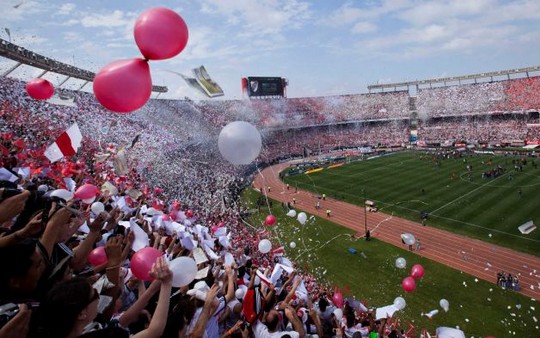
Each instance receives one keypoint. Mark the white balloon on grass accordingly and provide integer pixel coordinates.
(444, 304)
(401, 263)
(97, 208)
(400, 303)
(239, 142)
(184, 271)
(408, 238)
(302, 218)
(292, 245)
(265, 246)
(291, 213)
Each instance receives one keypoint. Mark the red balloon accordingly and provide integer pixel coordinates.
(97, 256)
(417, 271)
(160, 33)
(408, 284)
(40, 89)
(142, 262)
(338, 299)
(270, 220)
(86, 191)
(189, 213)
(124, 85)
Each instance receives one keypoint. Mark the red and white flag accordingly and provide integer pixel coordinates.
(263, 278)
(66, 144)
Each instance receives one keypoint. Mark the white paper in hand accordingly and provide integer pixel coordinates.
(141, 238)
(199, 256)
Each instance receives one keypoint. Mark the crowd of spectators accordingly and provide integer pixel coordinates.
(477, 130)
(516, 95)
(314, 111)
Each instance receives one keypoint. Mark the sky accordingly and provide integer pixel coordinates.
(324, 47)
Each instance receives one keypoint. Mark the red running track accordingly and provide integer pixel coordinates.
(475, 257)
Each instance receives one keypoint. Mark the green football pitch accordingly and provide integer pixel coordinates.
(456, 199)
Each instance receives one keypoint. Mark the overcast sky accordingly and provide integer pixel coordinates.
(323, 47)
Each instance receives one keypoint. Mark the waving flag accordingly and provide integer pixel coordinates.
(66, 144)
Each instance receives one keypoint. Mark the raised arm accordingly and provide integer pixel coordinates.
(160, 271)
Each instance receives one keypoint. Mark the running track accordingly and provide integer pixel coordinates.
(480, 259)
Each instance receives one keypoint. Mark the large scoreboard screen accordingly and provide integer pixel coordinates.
(264, 86)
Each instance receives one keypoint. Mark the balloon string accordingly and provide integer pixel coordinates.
(264, 190)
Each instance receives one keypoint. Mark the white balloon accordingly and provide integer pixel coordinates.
(265, 246)
(302, 218)
(64, 194)
(400, 303)
(184, 271)
(444, 304)
(89, 200)
(291, 213)
(239, 142)
(338, 313)
(401, 263)
(408, 239)
(292, 245)
(97, 208)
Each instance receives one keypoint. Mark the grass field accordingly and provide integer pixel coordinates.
(490, 209)
(477, 307)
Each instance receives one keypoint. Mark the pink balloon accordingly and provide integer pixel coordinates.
(97, 256)
(40, 89)
(417, 271)
(142, 262)
(270, 220)
(408, 284)
(86, 192)
(189, 213)
(124, 85)
(338, 299)
(160, 33)
(214, 228)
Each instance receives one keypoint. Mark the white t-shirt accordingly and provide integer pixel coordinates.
(261, 331)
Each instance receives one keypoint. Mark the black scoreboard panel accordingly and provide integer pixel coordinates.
(265, 86)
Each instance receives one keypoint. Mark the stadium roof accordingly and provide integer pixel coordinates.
(453, 79)
(27, 57)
